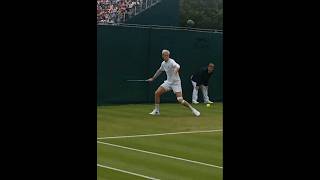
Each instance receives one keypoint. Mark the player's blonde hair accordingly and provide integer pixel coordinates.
(165, 51)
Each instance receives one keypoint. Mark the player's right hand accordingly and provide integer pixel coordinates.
(150, 79)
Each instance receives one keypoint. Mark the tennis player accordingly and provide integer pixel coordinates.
(173, 83)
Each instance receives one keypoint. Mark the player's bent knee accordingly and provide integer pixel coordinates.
(157, 93)
(180, 100)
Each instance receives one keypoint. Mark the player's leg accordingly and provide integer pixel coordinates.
(182, 101)
(204, 90)
(161, 89)
(195, 92)
(186, 104)
(178, 92)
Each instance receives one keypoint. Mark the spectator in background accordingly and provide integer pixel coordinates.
(116, 10)
(201, 79)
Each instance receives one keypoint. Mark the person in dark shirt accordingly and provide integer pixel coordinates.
(201, 79)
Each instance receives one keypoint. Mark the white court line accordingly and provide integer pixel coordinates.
(163, 155)
(162, 134)
(115, 169)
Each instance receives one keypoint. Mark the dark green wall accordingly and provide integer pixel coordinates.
(135, 53)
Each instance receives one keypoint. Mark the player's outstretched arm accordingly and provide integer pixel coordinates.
(159, 71)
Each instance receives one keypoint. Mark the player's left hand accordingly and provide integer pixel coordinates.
(176, 70)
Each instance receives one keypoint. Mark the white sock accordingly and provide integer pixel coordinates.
(157, 107)
(189, 105)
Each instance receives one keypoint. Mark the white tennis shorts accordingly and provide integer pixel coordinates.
(175, 87)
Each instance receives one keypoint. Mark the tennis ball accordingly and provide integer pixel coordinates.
(190, 23)
(208, 105)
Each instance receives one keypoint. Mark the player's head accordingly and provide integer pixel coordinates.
(165, 55)
(210, 67)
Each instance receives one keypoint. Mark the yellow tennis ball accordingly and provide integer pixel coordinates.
(208, 105)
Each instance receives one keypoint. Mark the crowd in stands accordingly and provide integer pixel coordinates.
(116, 11)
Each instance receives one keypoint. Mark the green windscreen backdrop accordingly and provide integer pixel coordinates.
(135, 53)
